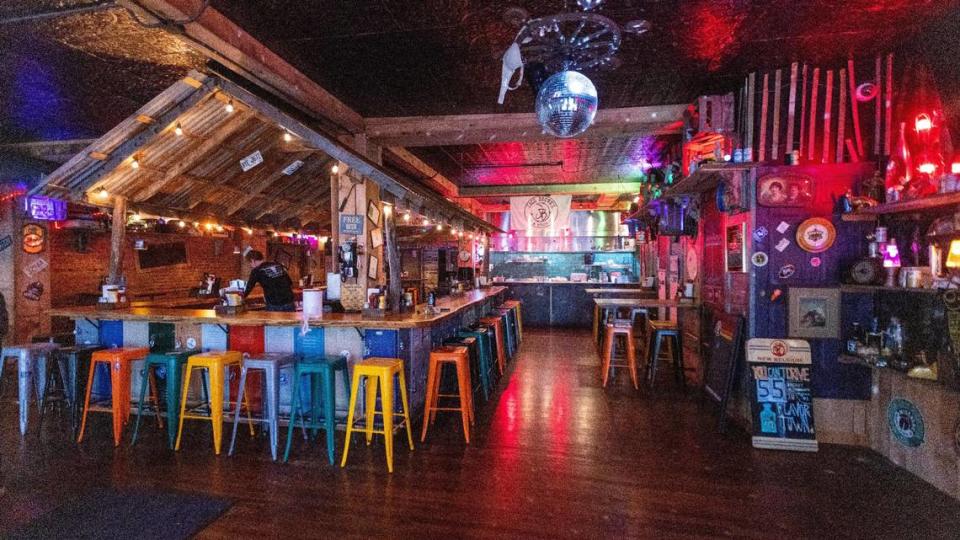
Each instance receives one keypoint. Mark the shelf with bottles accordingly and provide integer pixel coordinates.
(872, 289)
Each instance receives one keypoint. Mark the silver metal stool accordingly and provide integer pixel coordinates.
(270, 364)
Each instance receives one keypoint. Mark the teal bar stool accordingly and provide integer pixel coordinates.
(510, 330)
(473, 357)
(321, 372)
(170, 365)
(484, 356)
(271, 364)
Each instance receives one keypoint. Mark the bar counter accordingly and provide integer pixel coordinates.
(449, 306)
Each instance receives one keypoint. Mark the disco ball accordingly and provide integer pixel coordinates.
(587, 5)
(566, 104)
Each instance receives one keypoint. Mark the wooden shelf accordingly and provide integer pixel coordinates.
(916, 205)
(704, 178)
(870, 289)
(858, 217)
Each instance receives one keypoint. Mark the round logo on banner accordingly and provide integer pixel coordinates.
(541, 212)
(906, 422)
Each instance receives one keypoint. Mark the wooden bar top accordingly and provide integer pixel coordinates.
(644, 302)
(449, 306)
(621, 291)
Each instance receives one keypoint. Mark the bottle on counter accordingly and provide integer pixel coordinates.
(432, 298)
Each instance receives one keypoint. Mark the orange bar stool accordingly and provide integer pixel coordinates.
(516, 305)
(458, 356)
(119, 362)
(497, 324)
(378, 372)
(625, 330)
(215, 363)
(657, 331)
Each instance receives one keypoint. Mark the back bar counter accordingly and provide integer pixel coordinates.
(408, 336)
(560, 303)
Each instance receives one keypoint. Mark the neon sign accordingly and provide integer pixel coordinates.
(46, 208)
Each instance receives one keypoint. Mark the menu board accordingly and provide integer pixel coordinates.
(782, 402)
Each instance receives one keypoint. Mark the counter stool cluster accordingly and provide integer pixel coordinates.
(657, 338)
(54, 374)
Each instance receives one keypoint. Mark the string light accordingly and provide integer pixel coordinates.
(287, 137)
(102, 193)
(406, 216)
(439, 226)
(229, 107)
(927, 168)
(219, 227)
(181, 224)
(426, 222)
(135, 164)
(209, 226)
(335, 169)
(387, 209)
(178, 131)
(636, 199)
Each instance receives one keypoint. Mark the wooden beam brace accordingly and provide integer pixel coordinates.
(551, 189)
(222, 40)
(440, 183)
(118, 229)
(412, 131)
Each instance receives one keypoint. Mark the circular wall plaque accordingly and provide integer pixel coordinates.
(906, 422)
(816, 235)
(692, 264)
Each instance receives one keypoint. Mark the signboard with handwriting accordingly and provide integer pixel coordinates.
(782, 401)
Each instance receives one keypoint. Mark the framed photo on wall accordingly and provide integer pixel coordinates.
(735, 247)
(373, 213)
(785, 190)
(373, 267)
(814, 312)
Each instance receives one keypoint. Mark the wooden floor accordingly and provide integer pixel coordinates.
(554, 455)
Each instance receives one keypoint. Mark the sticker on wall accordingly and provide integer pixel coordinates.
(759, 259)
(815, 262)
(782, 245)
(191, 343)
(33, 291)
(760, 233)
(787, 271)
(35, 267)
(783, 227)
(34, 237)
(906, 422)
(6, 242)
(776, 294)
(816, 235)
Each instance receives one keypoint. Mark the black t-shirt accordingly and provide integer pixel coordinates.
(276, 283)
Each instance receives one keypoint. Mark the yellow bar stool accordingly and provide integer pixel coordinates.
(378, 372)
(216, 363)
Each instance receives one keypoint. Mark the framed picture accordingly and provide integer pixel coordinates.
(735, 247)
(376, 237)
(373, 212)
(730, 192)
(373, 268)
(814, 313)
(785, 190)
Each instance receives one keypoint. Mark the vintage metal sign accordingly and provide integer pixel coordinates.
(351, 224)
(251, 161)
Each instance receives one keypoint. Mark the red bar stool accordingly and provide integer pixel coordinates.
(119, 362)
(624, 329)
(458, 356)
(497, 325)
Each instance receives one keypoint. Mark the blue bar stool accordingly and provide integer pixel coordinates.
(324, 367)
(484, 357)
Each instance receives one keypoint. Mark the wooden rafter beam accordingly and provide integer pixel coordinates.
(551, 189)
(432, 177)
(224, 41)
(412, 131)
(254, 191)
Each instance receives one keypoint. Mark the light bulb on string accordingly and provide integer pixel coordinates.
(387, 209)
(229, 107)
(439, 226)
(102, 194)
(287, 137)
(406, 216)
(135, 163)
(335, 169)
(178, 130)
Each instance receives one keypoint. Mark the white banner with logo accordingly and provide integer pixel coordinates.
(540, 215)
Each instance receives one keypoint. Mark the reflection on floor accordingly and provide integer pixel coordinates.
(554, 455)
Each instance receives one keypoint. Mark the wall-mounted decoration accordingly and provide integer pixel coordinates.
(251, 161)
(787, 271)
(6, 242)
(759, 259)
(782, 404)
(351, 224)
(760, 233)
(373, 268)
(33, 291)
(540, 215)
(373, 213)
(730, 197)
(34, 238)
(46, 208)
(866, 271)
(735, 248)
(782, 245)
(785, 190)
(692, 263)
(816, 262)
(33, 268)
(814, 312)
(376, 237)
(816, 235)
(906, 422)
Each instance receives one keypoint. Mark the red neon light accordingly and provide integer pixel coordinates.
(955, 167)
(927, 168)
(923, 122)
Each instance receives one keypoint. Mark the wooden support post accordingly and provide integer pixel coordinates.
(394, 286)
(764, 105)
(888, 103)
(117, 232)
(334, 222)
(812, 122)
(827, 105)
(842, 114)
(803, 111)
(791, 107)
(775, 136)
(855, 107)
(751, 95)
(878, 116)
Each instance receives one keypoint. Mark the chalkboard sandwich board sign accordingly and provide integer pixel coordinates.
(782, 403)
(721, 368)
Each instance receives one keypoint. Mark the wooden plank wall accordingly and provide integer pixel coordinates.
(823, 118)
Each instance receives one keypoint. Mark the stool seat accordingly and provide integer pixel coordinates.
(662, 325)
(438, 357)
(171, 362)
(31, 364)
(120, 361)
(215, 363)
(324, 367)
(378, 372)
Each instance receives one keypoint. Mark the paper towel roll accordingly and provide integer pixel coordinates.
(312, 303)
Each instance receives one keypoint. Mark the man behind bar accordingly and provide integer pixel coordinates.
(273, 277)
